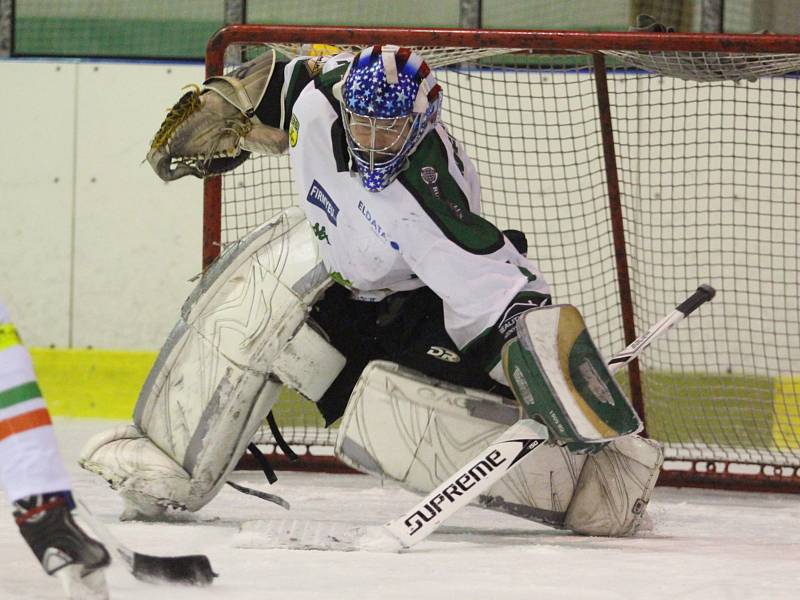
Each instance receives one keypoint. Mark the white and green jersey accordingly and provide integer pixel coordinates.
(424, 229)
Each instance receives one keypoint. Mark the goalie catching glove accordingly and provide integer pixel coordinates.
(212, 129)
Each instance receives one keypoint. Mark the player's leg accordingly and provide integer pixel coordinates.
(350, 327)
(34, 477)
(406, 328)
(242, 334)
(417, 430)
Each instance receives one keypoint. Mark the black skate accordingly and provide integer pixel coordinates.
(46, 523)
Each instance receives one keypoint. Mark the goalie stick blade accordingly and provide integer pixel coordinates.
(464, 486)
(295, 534)
(469, 482)
(193, 569)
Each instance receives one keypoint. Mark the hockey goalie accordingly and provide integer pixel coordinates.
(383, 297)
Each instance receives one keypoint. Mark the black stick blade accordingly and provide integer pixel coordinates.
(194, 569)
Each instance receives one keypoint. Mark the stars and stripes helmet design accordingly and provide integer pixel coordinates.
(390, 100)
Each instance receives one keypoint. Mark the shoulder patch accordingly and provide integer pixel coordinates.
(294, 130)
(428, 179)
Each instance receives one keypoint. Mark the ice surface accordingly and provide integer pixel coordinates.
(702, 545)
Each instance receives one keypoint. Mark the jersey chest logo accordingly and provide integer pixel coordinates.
(320, 198)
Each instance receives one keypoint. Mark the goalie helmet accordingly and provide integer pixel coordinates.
(390, 100)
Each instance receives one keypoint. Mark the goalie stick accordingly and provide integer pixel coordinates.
(467, 483)
(192, 569)
(703, 294)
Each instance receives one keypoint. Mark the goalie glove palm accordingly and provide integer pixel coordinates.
(211, 130)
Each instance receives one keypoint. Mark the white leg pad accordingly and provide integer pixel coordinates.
(148, 480)
(615, 487)
(415, 430)
(216, 377)
(418, 431)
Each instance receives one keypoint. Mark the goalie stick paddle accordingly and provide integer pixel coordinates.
(464, 486)
(192, 569)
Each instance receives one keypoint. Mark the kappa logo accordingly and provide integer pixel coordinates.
(319, 197)
(319, 231)
(443, 354)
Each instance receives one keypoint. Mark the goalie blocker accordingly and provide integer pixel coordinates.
(558, 375)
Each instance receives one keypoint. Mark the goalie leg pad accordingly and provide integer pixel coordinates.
(148, 480)
(558, 375)
(212, 384)
(418, 431)
(615, 487)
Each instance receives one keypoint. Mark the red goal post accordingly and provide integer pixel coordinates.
(639, 165)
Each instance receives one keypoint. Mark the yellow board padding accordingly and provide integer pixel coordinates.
(786, 412)
(80, 382)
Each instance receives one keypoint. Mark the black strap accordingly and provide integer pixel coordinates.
(263, 495)
(276, 433)
(269, 472)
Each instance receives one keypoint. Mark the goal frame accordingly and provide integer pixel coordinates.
(694, 472)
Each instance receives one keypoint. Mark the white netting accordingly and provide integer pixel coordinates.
(710, 66)
(435, 56)
(709, 172)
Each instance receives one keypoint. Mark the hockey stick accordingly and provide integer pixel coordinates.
(193, 569)
(703, 294)
(466, 484)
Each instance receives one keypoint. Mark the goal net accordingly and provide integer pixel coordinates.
(639, 165)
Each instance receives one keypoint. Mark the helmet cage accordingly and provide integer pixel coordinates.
(379, 144)
(380, 139)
